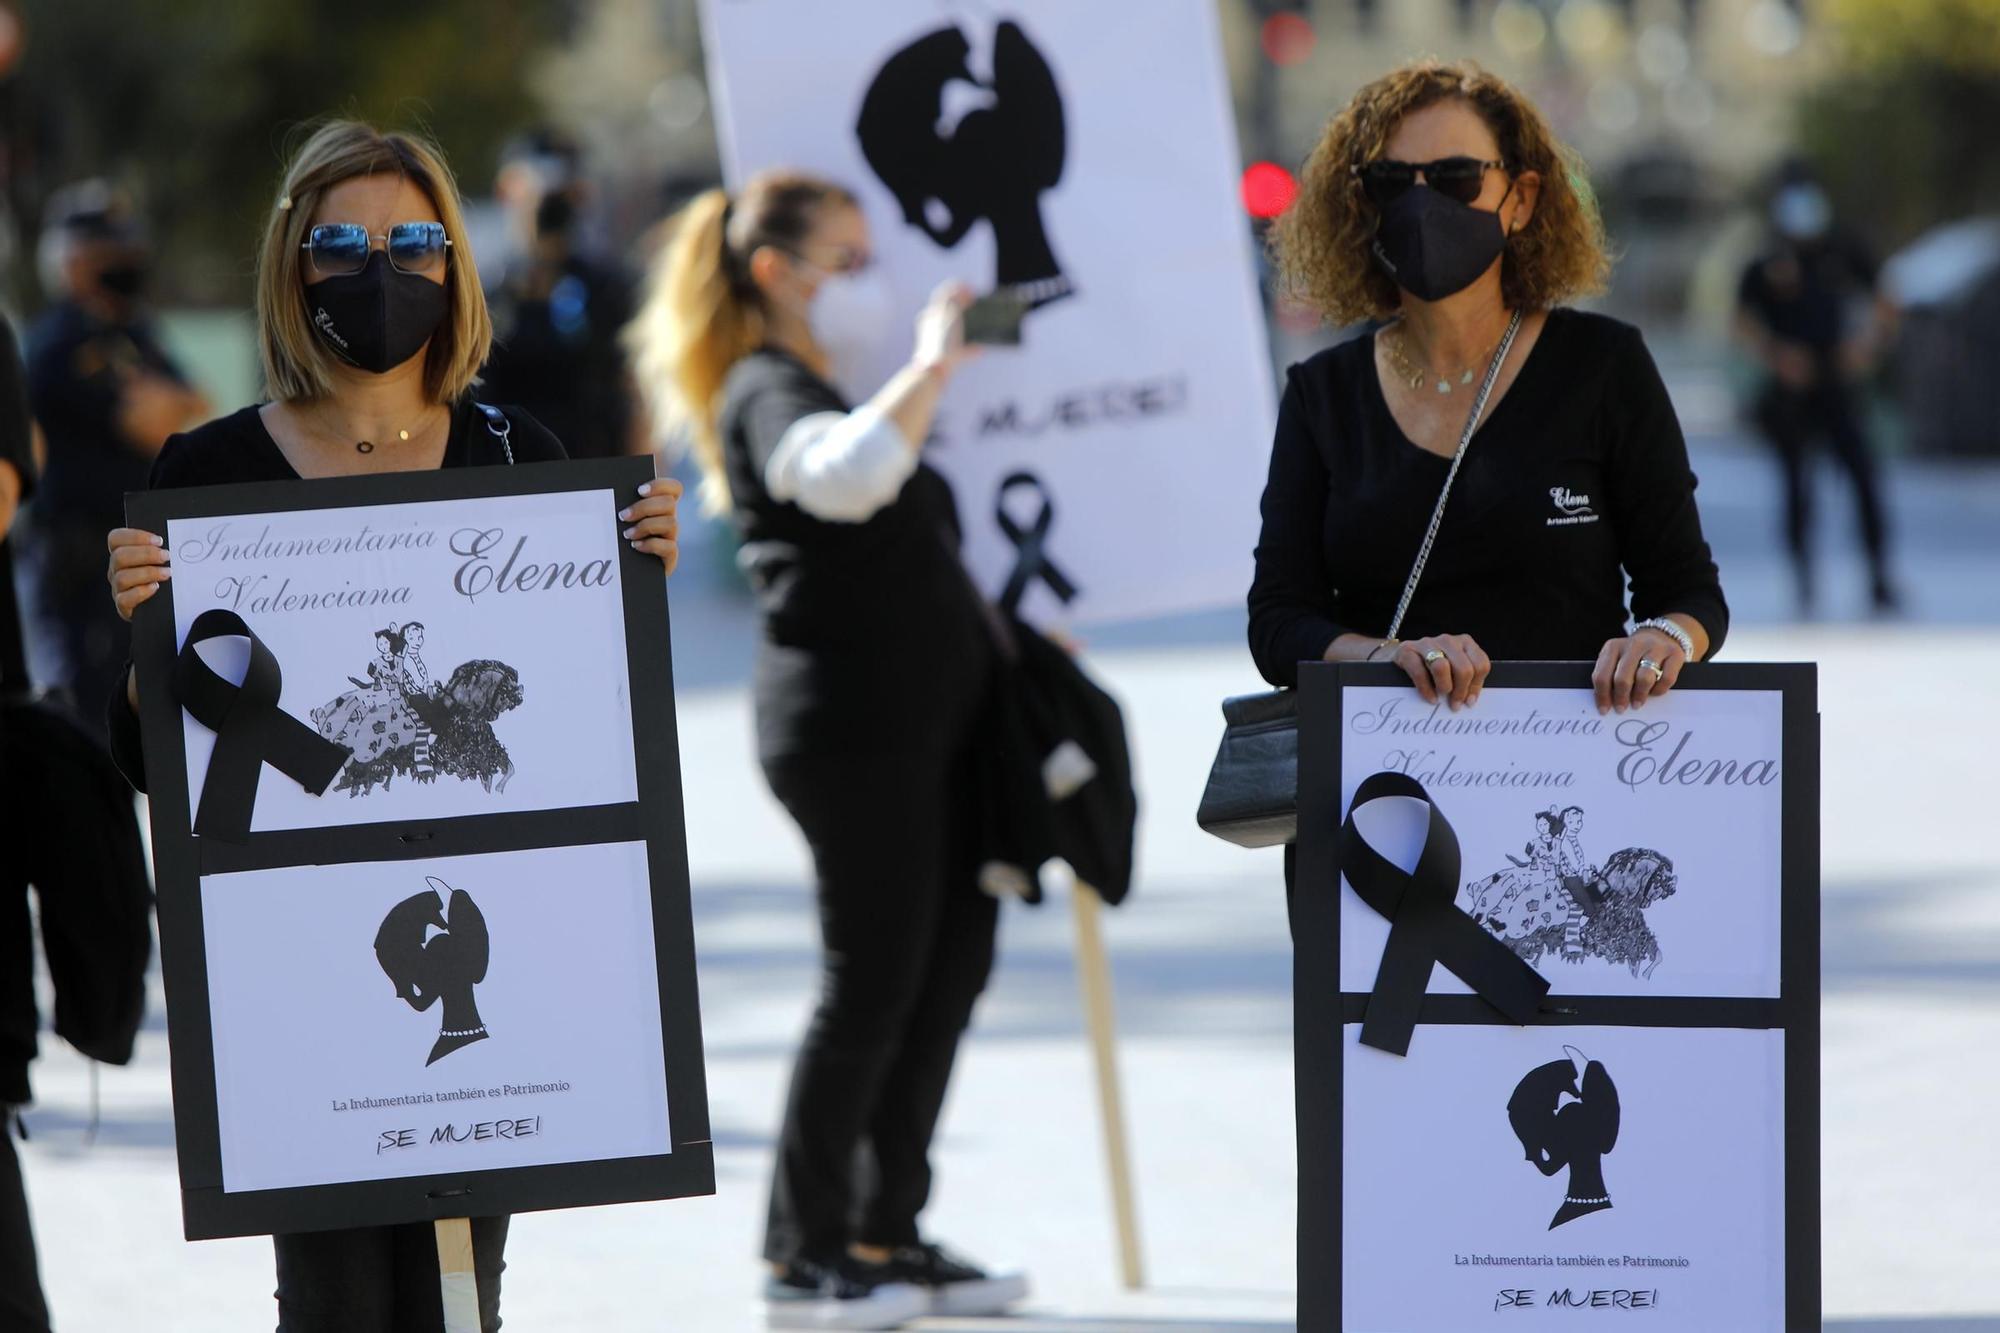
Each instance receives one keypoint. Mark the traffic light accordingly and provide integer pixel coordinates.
(1268, 190)
(1286, 30)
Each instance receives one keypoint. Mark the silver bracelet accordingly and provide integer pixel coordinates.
(1672, 631)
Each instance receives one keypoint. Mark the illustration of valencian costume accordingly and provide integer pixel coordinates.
(373, 720)
(1556, 885)
(1517, 903)
(1581, 888)
(416, 691)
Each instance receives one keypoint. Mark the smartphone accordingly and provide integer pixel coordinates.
(995, 321)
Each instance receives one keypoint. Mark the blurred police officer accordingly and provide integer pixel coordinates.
(557, 311)
(107, 396)
(1809, 309)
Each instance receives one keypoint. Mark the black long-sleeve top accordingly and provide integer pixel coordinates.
(1577, 480)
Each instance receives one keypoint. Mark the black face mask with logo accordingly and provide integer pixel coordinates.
(1434, 246)
(378, 318)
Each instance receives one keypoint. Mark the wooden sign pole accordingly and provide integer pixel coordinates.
(1093, 971)
(455, 1275)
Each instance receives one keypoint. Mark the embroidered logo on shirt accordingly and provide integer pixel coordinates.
(1572, 508)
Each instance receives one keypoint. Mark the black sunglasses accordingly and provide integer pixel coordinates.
(340, 248)
(1460, 178)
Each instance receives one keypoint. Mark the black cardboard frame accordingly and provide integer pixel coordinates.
(655, 818)
(1321, 1009)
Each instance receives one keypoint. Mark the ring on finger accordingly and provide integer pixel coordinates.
(1648, 664)
(1434, 655)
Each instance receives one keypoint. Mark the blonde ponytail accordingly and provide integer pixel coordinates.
(702, 313)
(695, 324)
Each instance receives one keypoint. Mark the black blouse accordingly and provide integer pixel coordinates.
(1577, 480)
(239, 448)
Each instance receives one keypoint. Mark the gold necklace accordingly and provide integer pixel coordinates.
(1417, 374)
(368, 446)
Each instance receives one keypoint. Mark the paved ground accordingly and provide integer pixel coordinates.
(1912, 1010)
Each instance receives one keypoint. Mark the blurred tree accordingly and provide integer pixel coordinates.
(1902, 126)
(194, 102)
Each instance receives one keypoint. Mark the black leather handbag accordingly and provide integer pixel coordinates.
(1252, 797)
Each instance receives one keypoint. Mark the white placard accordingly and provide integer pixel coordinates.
(1450, 1225)
(537, 1040)
(1679, 833)
(1101, 137)
(512, 692)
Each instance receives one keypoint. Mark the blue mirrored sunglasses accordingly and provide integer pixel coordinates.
(340, 248)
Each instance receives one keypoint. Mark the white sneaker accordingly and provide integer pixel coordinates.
(813, 1295)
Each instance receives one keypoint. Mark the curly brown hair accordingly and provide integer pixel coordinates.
(1321, 243)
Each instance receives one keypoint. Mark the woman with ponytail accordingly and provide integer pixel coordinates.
(872, 672)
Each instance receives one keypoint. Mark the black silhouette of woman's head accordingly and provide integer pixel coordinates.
(1549, 824)
(388, 642)
(993, 164)
(1564, 1119)
(431, 952)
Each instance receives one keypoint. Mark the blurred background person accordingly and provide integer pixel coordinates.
(870, 687)
(22, 1305)
(107, 395)
(558, 309)
(1810, 311)
(69, 832)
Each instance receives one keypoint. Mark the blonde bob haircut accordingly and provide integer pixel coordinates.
(1322, 242)
(297, 364)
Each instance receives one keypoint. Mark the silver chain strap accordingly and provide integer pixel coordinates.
(1458, 457)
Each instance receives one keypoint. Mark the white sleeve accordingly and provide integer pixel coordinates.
(843, 467)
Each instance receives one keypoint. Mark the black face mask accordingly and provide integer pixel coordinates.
(378, 318)
(126, 280)
(1432, 245)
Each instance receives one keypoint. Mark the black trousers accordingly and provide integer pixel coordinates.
(908, 944)
(1792, 419)
(22, 1308)
(380, 1279)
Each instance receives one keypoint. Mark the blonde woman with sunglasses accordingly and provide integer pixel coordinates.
(372, 328)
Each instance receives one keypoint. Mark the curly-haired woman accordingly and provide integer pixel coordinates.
(1439, 201)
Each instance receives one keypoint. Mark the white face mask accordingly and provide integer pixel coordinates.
(852, 317)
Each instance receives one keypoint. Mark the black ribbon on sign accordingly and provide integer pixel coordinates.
(250, 730)
(1031, 562)
(1426, 925)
